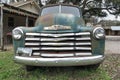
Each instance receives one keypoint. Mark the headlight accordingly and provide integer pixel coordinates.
(99, 33)
(17, 33)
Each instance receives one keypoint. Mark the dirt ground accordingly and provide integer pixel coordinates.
(112, 46)
(111, 63)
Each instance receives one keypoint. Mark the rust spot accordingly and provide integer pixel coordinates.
(46, 20)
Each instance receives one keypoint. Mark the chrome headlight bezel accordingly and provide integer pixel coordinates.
(99, 33)
(17, 33)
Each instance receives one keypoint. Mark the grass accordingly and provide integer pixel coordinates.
(12, 71)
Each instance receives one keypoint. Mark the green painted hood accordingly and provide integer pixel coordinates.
(60, 19)
(76, 23)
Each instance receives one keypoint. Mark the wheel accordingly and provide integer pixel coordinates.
(29, 68)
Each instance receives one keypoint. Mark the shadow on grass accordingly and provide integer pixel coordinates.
(64, 73)
(56, 73)
(12, 71)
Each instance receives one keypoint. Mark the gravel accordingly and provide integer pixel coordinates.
(112, 45)
(113, 38)
(111, 63)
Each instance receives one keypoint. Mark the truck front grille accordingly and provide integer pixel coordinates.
(59, 45)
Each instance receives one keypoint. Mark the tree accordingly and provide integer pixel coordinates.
(92, 7)
(113, 6)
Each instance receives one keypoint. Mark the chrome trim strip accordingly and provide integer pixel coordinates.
(72, 61)
(61, 48)
(36, 54)
(87, 38)
(84, 43)
(35, 48)
(83, 33)
(83, 54)
(54, 48)
(57, 35)
(32, 39)
(83, 48)
(62, 55)
(34, 44)
(57, 55)
(56, 39)
(57, 44)
(33, 34)
(60, 8)
(62, 39)
(62, 44)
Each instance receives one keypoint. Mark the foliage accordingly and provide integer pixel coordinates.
(92, 7)
(113, 6)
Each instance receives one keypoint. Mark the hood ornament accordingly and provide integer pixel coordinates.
(58, 27)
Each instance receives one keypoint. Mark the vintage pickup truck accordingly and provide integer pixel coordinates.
(59, 38)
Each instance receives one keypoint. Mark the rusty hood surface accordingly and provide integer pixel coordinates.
(62, 20)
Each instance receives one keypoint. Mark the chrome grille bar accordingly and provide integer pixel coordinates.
(83, 43)
(56, 39)
(32, 39)
(83, 33)
(61, 48)
(32, 34)
(55, 48)
(32, 44)
(83, 48)
(63, 55)
(45, 44)
(36, 54)
(86, 38)
(83, 54)
(56, 55)
(56, 44)
(57, 35)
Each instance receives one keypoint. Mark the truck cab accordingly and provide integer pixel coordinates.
(59, 38)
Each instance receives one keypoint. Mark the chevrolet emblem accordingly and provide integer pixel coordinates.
(57, 27)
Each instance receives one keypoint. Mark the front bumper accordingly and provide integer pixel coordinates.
(73, 61)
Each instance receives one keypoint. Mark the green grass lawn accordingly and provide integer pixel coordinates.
(12, 71)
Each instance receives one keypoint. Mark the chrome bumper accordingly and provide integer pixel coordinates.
(73, 61)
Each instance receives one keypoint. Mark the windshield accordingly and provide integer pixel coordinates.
(61, 9)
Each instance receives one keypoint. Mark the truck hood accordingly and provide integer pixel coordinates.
(59, 22)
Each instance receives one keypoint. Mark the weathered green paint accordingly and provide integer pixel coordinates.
(62, 19)
(98, 46)
(77, 24)
(18, 43)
